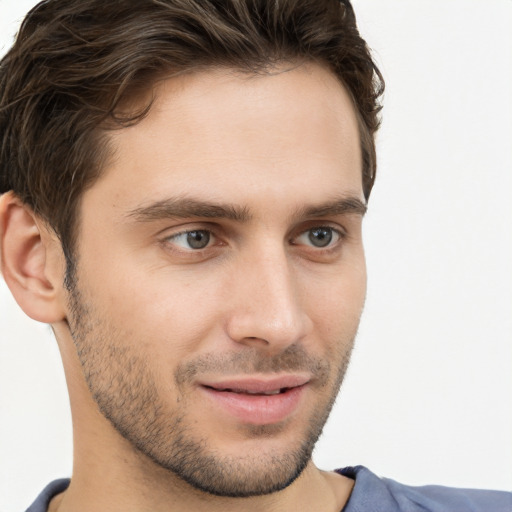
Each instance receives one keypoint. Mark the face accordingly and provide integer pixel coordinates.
(220, 275)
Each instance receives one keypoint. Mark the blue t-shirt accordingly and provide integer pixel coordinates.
(374, 494)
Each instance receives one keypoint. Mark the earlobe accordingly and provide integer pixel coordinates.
(28, 261)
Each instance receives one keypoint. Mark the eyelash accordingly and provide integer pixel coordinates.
(336, 233)
(210, 232)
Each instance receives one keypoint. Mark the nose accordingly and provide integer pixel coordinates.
(268, 307)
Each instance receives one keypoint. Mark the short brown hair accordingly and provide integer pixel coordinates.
(75, 61)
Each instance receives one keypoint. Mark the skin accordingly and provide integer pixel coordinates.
(151, 319)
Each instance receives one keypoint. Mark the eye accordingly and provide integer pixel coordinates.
(321, 236)
(196, 239)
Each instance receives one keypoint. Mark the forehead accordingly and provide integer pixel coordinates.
(220, 130)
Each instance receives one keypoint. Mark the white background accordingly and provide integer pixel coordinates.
(428, 397)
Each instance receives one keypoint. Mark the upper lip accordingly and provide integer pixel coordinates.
(253, 384)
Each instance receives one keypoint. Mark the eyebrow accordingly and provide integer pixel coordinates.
(186, 208)
(342, 206)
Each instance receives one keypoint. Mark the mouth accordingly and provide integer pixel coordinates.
(256, 401)
(250, 392)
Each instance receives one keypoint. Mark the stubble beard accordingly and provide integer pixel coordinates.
(122, 384)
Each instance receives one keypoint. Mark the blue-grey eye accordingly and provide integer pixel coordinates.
(320, 237)
(195, 239)
(198, 239)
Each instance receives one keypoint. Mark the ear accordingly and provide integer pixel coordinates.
(31, 261)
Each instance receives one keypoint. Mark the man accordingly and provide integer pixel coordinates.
(183, 191)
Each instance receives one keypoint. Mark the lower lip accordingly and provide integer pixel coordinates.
(257, 409)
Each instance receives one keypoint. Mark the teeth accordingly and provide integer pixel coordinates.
(247, 392)
(274, 392)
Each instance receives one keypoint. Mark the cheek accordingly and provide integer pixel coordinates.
(168, 314)
(336, 306)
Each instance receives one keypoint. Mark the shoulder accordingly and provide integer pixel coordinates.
(374, 494)
(50, 491)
